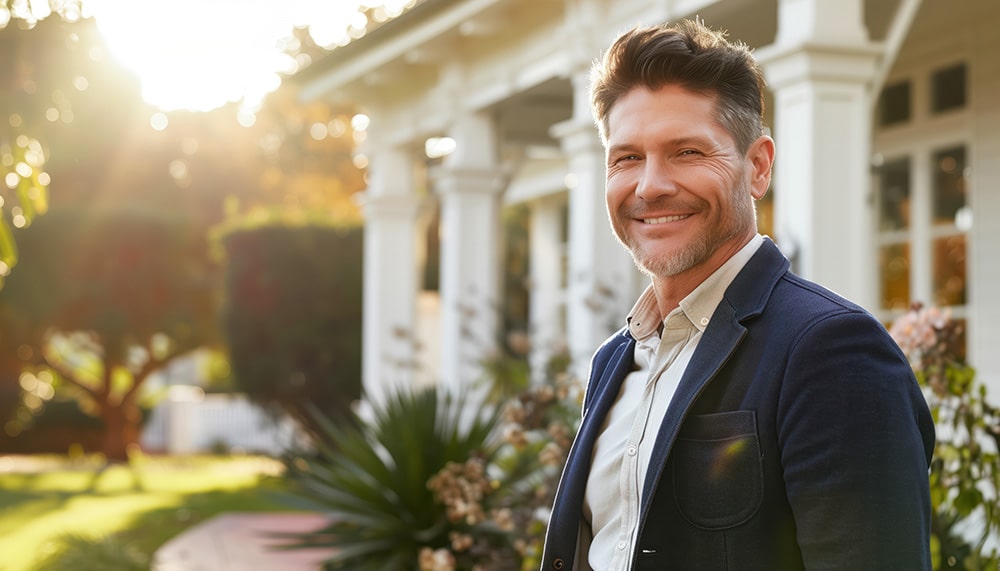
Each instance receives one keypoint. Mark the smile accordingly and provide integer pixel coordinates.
(663, 219)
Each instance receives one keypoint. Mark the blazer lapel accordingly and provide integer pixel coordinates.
(744, 298)
(712, 352)
(566, 512)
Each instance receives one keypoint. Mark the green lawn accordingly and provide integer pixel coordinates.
(142, 506)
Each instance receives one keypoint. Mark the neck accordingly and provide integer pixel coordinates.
(670, 290)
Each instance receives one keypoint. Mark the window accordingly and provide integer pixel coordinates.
(894, 104)
(921, 191)
(765, 213)
(894, 220)
(948, 88)
(952, 218)
(949, 185)
(894, 195)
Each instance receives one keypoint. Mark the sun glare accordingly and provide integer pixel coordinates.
(201, 54)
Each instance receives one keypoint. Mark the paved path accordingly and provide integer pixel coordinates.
(241, 542)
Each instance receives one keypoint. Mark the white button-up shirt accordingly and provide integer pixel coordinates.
(623, 450)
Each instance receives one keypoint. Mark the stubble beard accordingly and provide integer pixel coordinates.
(658, 264)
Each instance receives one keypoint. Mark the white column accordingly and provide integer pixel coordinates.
(983, 263)
(820, 70)
(468, 184)
(545, 267)
(601, 278)
(391, 209)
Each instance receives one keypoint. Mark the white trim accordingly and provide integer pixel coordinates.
(898, 30)
(380, 54)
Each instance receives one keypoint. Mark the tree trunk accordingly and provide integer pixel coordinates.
(121, 430)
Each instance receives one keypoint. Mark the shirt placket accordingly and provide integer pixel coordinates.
(630, 484)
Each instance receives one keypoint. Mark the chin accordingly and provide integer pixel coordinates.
(669, 264)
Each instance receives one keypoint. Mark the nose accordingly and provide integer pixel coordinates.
(657, 180)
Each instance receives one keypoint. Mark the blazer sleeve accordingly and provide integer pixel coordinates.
(856, 437)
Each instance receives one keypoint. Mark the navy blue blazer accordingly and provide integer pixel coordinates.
(798, 438)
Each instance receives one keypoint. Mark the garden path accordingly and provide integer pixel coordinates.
(242, 542)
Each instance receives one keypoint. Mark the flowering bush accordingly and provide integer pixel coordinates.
(509, 495)
(965, 474)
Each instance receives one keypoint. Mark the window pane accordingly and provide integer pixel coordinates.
(894, 104)
(959, 343)
(894, 195)
(949, 185)
(765, 214)
(948, 88)
(895, 267)
(949, 270)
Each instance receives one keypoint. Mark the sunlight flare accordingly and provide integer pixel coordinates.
(201, 54)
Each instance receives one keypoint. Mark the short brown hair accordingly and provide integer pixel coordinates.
(691, 55)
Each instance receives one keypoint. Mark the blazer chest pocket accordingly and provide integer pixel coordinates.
(717, 469)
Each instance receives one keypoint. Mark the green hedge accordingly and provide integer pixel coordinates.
(292, 315)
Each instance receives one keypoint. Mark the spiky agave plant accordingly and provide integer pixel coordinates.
(371, 477)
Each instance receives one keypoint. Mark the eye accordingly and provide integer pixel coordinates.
(689, 152)
(625, 158)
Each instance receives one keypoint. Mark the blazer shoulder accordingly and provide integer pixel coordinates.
(796, 291)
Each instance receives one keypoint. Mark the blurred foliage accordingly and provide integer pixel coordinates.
(32, 96)
(427, 481)
(965, 469)
(371, 477)
(73, 115)
(105, 300)
(292, 316)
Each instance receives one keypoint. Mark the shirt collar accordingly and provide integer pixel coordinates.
(645, 320)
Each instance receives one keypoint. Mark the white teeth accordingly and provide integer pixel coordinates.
(663, 219)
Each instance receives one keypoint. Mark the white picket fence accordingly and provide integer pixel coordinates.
(189, 421)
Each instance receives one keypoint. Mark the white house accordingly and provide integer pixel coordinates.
(886, 115)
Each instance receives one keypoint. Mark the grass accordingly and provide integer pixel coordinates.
(140, 506)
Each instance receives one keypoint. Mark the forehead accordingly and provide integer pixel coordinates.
(668, 107)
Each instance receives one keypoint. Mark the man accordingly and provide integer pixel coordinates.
(744, 418)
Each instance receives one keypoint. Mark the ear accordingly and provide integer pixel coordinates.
(760, 156)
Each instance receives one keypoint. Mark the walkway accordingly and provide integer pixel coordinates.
(241, 542)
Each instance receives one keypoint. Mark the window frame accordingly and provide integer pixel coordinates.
(919, 139)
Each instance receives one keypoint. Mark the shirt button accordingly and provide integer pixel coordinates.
(622, 545)
(631, 450)
(704, 321)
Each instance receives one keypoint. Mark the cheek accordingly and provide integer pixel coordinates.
(616, 189)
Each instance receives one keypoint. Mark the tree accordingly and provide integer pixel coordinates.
(111, 174)
(106, 299)
(25, 71)
(47, 68)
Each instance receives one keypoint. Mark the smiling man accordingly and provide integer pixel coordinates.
(743, 418)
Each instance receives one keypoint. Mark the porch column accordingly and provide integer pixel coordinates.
(468, 184)
(545, 267)
(391, 209)
(820, 69)
(601, 278)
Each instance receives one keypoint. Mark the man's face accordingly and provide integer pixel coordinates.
(679, 193)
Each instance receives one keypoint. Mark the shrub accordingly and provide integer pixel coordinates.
(422, 485)
(964, 474)
(292, 316)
